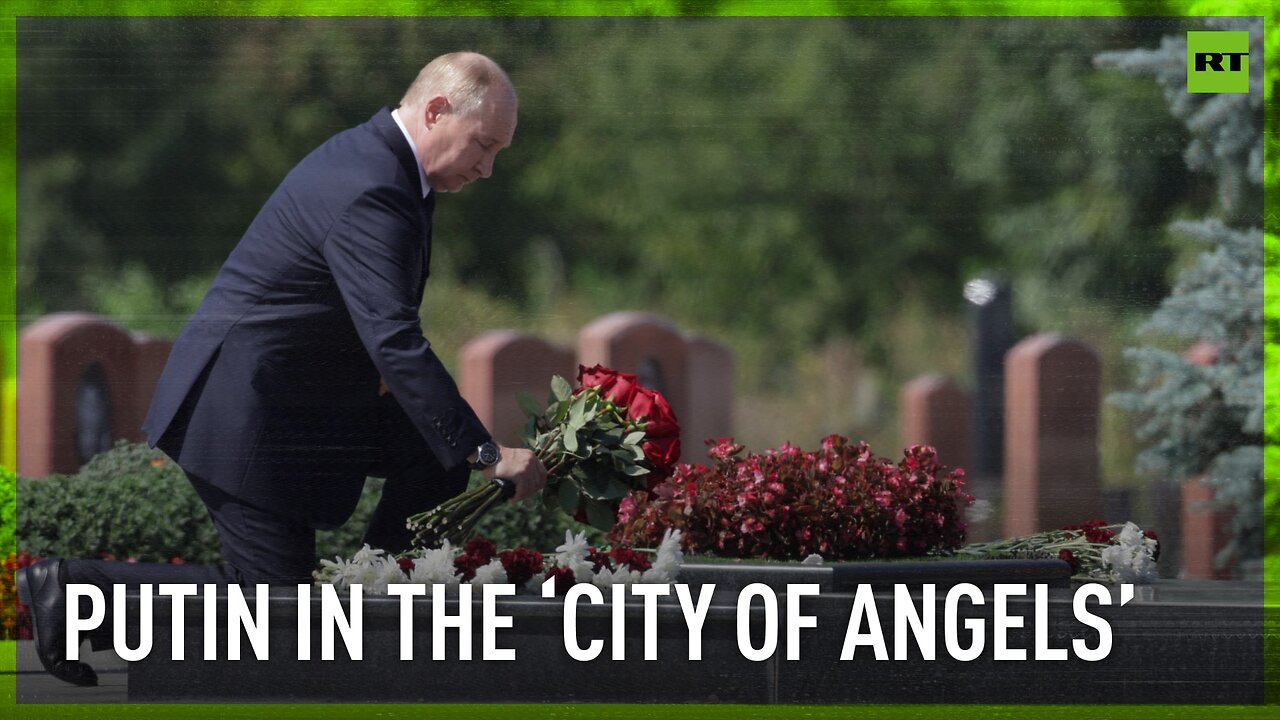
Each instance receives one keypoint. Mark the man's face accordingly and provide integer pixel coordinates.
(457, 150)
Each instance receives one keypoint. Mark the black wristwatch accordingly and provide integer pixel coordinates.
(487, 455)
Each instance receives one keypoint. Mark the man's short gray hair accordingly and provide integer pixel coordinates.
(463, 77)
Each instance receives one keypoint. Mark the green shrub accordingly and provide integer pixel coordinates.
(131, 501)
(8, 480)
(135, 502)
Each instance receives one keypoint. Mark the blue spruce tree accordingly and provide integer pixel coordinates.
(1196, 416)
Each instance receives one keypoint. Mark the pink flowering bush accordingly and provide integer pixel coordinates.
(842, 502)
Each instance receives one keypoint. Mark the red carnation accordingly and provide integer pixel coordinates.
(1087, 524)
(597, 559)
(564, 579)
(521, 564)
(467, 566)
(1099, 536)
(627, 556)
(1070, 559)
(480, 549)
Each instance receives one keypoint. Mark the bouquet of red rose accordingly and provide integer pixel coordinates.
(599, 442)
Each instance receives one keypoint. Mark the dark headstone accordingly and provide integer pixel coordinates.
(991, 322)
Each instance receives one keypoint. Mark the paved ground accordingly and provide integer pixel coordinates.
(34, 685)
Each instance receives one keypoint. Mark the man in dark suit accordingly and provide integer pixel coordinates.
(305, 368)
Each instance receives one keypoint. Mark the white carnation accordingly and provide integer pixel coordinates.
(666, 566)
(489, 574)
(382, 572)
(366, 555)
(624, 575)
(584, 571)
(573, 551)
(1132, 558)
(657, 575)
(342, 574)
(1130, 535)
(435, 566)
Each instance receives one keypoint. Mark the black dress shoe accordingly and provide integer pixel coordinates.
(43, 589)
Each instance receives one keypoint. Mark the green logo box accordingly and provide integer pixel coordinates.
(1218, 62)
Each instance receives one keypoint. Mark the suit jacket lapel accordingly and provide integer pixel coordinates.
(394, 138)
(391, 134)
(428, 208)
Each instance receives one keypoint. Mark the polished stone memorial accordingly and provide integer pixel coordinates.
(1173, 642)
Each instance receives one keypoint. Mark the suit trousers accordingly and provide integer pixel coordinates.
(260, 545)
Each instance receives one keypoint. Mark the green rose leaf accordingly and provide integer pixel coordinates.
(560, 389)
(601, 515)
(570, 440)
(617, 489)
(528, 405)
(635, 471)
(568, 496)
(577, 413)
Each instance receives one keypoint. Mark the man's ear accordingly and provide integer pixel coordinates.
(436, 106)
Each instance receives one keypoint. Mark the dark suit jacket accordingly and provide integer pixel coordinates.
(270, 392)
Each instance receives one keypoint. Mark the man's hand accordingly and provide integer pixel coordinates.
(521, 466)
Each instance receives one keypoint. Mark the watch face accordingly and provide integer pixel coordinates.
(487, 454)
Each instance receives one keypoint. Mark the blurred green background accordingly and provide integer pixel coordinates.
(812, 191)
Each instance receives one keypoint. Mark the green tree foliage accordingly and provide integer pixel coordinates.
(798, 178)
(782, 181)
(1208, 417)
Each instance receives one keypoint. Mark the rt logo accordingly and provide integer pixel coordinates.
(1218, 62)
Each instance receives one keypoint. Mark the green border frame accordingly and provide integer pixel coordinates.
(8, 323)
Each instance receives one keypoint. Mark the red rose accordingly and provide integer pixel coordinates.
(617, 387)
(662, 452)
(406, 564)
(651, 406)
